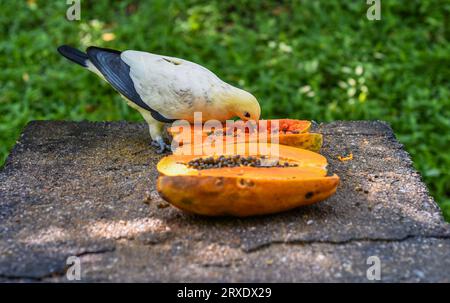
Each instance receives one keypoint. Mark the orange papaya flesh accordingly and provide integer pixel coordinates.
(285, 126)
(287, 132)
(308, 141)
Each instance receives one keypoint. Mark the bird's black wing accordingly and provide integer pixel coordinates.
(117, 73)
(74, 55)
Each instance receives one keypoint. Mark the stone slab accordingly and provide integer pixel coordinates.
(88, 189)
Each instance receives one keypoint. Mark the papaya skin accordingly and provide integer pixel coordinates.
(241, 197)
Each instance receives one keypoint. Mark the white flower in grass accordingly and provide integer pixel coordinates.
(305, 89)
(285, 48)
(351, 91)
(346, 70)
(351, 81)
(359, 70)
(378, 55)
(96, 24)
(342, 84)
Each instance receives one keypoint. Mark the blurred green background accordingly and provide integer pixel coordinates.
(320, 60)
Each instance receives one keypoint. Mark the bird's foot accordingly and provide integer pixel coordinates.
(160, 146)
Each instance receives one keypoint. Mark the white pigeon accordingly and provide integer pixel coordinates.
(164, 89)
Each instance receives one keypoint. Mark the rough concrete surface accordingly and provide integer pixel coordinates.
(88, 190)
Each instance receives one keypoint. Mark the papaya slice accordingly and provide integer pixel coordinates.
(285, 131)
(251, 183)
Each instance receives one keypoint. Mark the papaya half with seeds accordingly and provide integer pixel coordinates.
(287, 131)
(251, 183)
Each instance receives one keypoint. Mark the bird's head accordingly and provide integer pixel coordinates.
(244, 105)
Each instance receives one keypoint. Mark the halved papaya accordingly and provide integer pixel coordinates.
(251, 183)
(285, 131)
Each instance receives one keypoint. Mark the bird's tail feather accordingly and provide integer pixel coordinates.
(74, 55)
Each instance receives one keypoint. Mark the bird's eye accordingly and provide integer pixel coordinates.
(247, 114)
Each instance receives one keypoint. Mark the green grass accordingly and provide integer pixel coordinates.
(320, 60)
